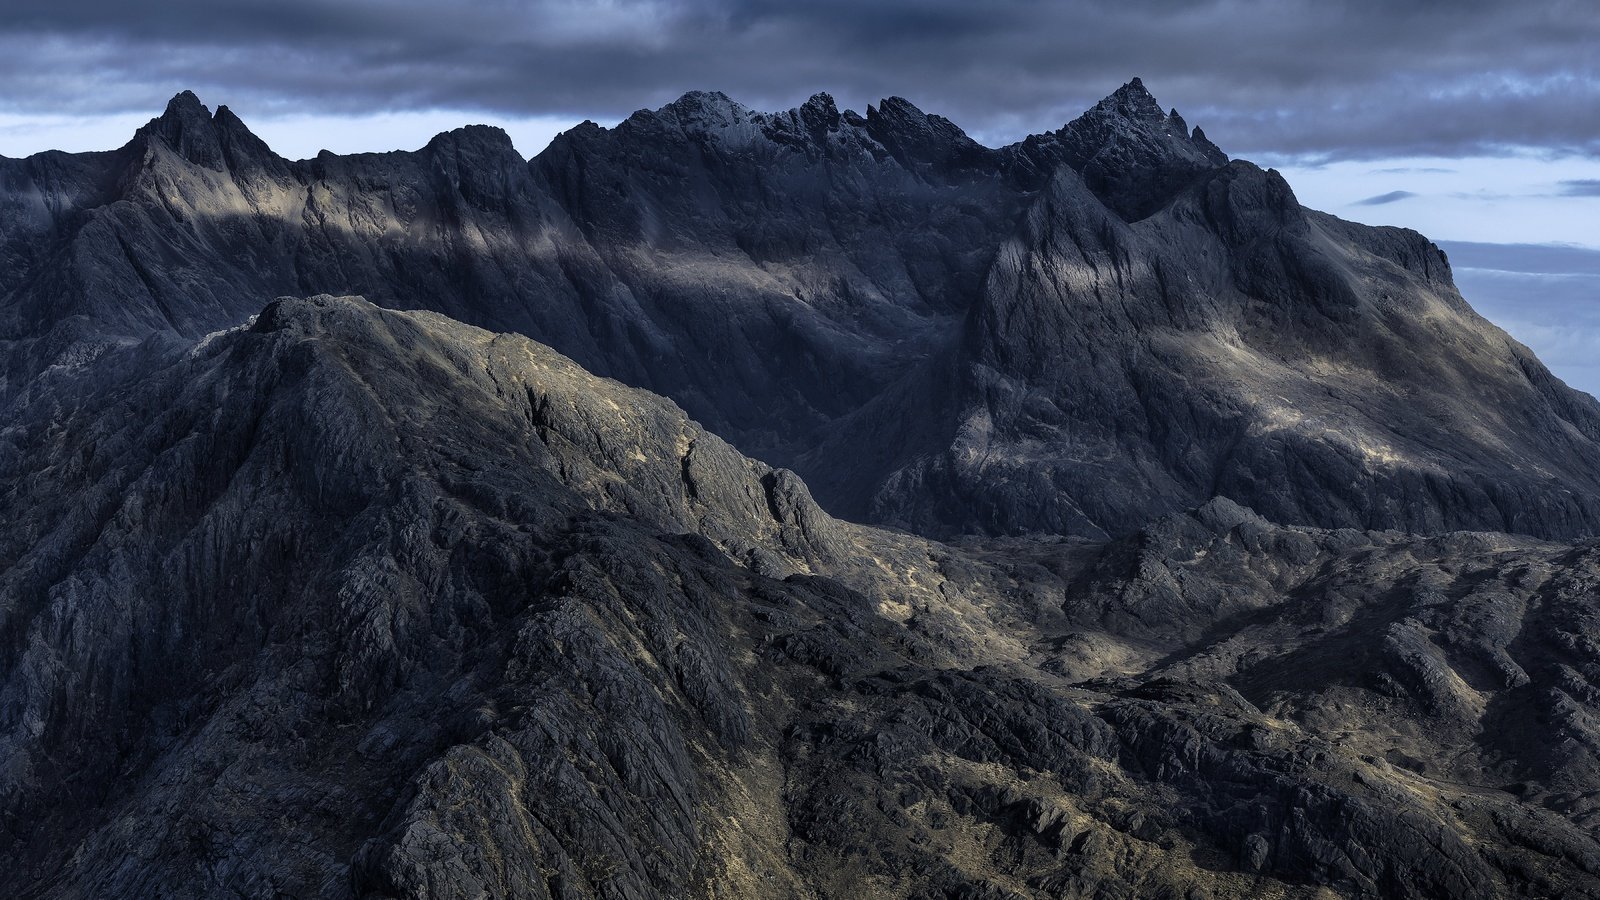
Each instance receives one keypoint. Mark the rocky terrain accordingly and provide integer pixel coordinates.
(276, 624)
(1068, 335)
(1230, 553)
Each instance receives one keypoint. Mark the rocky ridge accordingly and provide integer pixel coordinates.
(278, 624)
(1071, 334)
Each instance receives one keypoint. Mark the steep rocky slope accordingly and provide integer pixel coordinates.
(350, 601)
(1072, 334)
(1238, 345)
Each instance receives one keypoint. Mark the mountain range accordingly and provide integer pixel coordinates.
(1068, 335)
(803, 504)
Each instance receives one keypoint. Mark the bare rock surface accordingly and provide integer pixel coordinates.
(1219, 548)
(1070, 335)
(352, 602)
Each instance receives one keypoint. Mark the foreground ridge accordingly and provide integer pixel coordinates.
(349, 600)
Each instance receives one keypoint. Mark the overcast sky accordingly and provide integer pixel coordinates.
(1335, 78)
(1472, 120)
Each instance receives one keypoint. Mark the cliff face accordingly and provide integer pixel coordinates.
(1238, 345)
(1068, 335)
(352, 601)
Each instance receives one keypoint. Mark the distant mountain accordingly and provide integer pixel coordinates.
(352, 602)
(1074, 334)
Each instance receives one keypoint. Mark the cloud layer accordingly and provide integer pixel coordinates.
(1334, 79)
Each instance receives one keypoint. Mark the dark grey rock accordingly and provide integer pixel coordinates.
(1073, 334)
(331, 599)
(352, 602)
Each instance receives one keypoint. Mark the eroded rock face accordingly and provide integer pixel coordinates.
(1072, 334)
(1238, 345)
(357, 602)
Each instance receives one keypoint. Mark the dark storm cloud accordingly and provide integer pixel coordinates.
(1581, 187)
(1336, 79)
(1381, 199)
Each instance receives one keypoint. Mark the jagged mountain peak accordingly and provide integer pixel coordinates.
(894, 124)
(821, 101)
(918, 139)
(1132, 108)
(1134, 156)
(186, 127)
(901, 114)
(894, 107)
(819, 112)
(186, 104)
(219, 140)
(1133, 101)
(698, 99)
(705, 109)
(1130, 122)
(485, 140)
(1200, 139)
(225, 118)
